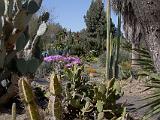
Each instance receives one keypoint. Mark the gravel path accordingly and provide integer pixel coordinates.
(132, 98)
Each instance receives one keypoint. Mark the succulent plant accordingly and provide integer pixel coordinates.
(28, 98)
(55, 105)
(14, 111)
(108, 41)
(17, 48)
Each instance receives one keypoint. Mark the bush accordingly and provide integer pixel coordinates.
(125, 70)
(123, 56)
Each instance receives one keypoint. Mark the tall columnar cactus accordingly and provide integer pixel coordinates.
(28, 98)
(55, 99)
(115, 71)
(14, 111)
(108, 17)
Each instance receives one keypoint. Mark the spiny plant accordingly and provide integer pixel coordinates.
(28, 98)
(152, 100)
(104, 100)
(87, 100)
(91, 100)
(116, 68)
(17, 49)
(14, 111)
(55, 104)
(108, 16)
(113, 47)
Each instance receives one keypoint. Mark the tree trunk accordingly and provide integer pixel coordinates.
(142, 18)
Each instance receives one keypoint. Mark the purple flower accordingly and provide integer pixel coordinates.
(48, 59)
(69, 61)
(54, 58)
(78, 62)
(69, 65)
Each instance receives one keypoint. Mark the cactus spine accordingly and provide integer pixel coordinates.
(28, 98)
(55, 99)
(14, 111)
(108, 39)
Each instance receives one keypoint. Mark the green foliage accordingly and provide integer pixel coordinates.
(96, 23)
(152, 99)
(152, 83)
(84, 97)
(15, 32)
(87, 100)
(95, 19)
(145, 61)
(125, 70)
(29, 66)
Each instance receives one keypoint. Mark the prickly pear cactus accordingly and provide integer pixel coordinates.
(17, 48)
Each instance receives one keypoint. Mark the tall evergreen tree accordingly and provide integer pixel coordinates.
(95, 20)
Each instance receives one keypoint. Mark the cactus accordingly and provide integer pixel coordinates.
(29, 66)
(14, 18)
(14, 111)
(17, 48)
(108, 16)
(55, 100)
(28, 98)
(115, 71)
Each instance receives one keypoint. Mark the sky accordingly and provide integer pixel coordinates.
(70, 13)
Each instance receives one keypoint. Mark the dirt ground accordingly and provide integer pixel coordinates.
(132, 94)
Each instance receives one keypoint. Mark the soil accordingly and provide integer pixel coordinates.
(132, 98)
(132, 94)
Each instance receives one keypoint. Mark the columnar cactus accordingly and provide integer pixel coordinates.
(108, 17)
(14, 111)
(29, 99)
(117, 47)
(55, 99)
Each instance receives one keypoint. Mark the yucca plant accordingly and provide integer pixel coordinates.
(153, 99)
(152, 83)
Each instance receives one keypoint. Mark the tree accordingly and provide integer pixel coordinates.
(142, 22)
(96, 22)
(95, 19)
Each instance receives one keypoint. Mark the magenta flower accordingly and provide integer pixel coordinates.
(69, 61)
(54, 58)
(69, 65)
